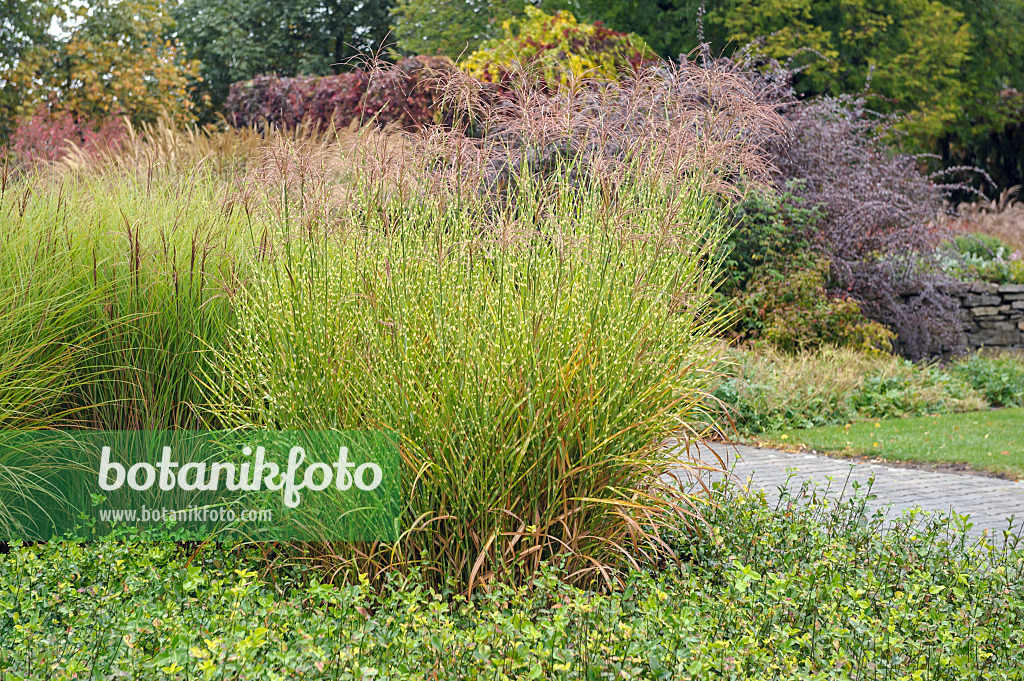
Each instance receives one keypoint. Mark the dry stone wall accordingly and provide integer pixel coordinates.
(993, 315)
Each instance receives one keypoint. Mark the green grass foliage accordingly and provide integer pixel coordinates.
(531, 351)
(990, 441)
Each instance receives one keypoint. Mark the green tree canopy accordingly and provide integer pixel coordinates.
(913, 49)
(956, 67)
(668, 26)
(106, 57)
(238, 39)
(989, 130)
(23, 25)
(453, 28)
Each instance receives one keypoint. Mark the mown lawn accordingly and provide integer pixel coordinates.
(987, 440)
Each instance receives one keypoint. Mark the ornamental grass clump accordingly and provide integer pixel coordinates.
(113, 284)
(532, 343)
(532, 349)
(110, 291)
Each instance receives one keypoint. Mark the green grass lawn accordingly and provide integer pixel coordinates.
(987, 440)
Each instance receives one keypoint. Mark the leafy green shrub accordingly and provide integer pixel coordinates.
(772, 235)
(1000, 379)
(981, 246)
(778, 284)
(794, 311)
(829, 592)
(559, 48)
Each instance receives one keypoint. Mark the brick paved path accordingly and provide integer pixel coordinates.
(989, 501)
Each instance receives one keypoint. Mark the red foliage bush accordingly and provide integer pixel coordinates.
(403, 94)
(45, 136)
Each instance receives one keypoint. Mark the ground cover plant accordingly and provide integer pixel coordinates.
(764, 390)
(1001, 218)
(999, 378)
(986, 440)
(982, 257)
(809, 590)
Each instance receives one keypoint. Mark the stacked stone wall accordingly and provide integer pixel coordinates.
(993, 315)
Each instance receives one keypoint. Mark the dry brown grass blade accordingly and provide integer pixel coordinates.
(1002, 218)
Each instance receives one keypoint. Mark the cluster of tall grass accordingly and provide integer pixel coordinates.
(531, 342)
(111, 289)
(1002, 218)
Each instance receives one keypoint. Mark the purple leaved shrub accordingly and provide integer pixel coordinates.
(878, 226)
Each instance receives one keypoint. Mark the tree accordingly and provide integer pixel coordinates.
(452, 28)
(110, 57)
(955, 66)
(557, 44)
(669, 27)
(238, 39)
(913, 50)
(989, 130)
(23, 25)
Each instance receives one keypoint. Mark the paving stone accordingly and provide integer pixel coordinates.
(988, 501)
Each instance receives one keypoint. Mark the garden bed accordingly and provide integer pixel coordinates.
(809, 591)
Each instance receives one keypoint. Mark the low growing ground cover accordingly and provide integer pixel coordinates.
(806, 591)
(764, 390)
(990, 440)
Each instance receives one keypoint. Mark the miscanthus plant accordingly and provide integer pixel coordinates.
(116, 280)
(531, 367)
(532, 342)
(111, 289)
(529, 310)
